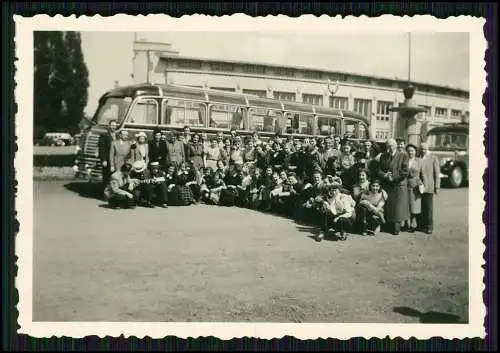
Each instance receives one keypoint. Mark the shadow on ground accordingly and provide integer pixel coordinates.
(85, 189)
(431, 317)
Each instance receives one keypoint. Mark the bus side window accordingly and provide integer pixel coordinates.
(226, 116)
(264, 119)
(328, 125)
(144, 112)
(180, 113)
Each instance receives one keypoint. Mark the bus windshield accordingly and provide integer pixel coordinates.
(113, 108)
(447, 140)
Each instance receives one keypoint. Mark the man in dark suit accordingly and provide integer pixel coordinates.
(158, 149)
(392, 169)
(105, 141)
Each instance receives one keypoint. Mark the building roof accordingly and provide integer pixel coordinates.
(304, 68)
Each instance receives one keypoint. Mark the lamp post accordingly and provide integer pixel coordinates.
(408, 110)
(333, 87)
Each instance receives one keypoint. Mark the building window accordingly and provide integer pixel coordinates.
(221, 67)
(337, 77)
(284, 72)
(456, 114)
(255, 69)
(196, 65)
(383, 113)
(225, 89)
(313, 75)
(441, 112)
(339, 103)
(254, 92)
(363, 107)
(313, 99)
(284, 96)
(382, 134)
(361, 80)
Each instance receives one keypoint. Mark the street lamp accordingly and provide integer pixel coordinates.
(333, 87)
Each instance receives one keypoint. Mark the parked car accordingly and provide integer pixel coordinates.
(57, 139)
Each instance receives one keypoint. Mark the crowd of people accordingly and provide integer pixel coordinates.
(331, 182)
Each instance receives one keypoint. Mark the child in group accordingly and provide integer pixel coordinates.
(215, 185)
(371, 209)
(339, 214)
(255, 189)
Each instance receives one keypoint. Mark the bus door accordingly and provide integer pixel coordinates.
(263, 119)
(182, 112)
(301, 123)
(329, 125)
(226, 116)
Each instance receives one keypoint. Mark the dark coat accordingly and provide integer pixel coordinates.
(397, 205)
(105, 141)
(158, 152)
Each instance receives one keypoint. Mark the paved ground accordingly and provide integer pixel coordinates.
(206, 263)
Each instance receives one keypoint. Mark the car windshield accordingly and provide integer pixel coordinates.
(447, 140)
(113, 108)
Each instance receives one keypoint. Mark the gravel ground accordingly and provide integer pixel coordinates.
(207, 263)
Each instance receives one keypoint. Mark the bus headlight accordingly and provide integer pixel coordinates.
(444, 161)
(75, 168)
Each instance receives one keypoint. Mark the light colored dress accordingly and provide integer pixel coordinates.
(212, 155)
(414, 180)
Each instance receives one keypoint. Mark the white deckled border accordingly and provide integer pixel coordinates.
(308, 23)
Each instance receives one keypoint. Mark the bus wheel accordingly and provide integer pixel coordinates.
(456, 177)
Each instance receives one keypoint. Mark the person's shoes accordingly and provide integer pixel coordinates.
(428, 231)
(364, 234)
(115, 207)
(395, 233)
(150, 205)
(164, 205)
(411, 230)
(371, 233)
(320, 237)
(404, 228)
(343, 236)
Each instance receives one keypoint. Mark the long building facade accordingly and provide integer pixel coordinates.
(370, 96)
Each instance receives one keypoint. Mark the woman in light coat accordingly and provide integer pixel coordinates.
(415, 186)
(139, 151)
(119, 153)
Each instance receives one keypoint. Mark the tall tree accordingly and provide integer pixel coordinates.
(44, 109)
(60, 81)
(76, 93)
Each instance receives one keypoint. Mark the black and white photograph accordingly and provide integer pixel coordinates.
(229, 173)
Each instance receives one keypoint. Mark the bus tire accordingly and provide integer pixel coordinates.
(456, 178)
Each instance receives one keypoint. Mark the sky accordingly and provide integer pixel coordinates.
(436, 58)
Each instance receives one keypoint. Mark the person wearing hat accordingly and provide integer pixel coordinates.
(371, 208)
(415, 186)
(141, 177)
(120, 191)
(392, 170)
(119, 153)
(338, 210)
(157, 150)
(432, 182)
(139, 151)
(158, 186)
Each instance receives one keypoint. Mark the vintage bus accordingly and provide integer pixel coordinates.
(450, 143)
(171, 107)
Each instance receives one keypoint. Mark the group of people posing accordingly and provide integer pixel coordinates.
(330, 182)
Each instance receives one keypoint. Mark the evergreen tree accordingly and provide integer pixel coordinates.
(60, 82)
(76, 93)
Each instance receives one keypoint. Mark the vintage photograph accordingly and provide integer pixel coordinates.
(252, 176)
